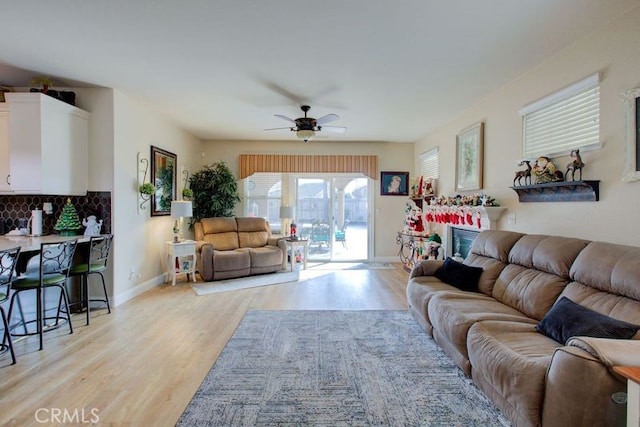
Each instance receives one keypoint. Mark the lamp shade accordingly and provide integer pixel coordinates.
(181, 209)
(287, 212)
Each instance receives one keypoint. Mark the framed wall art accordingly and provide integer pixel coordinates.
(469, 157)
(163, 176)
(394, 183)
(631, 99)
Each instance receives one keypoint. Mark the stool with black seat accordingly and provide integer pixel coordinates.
(54, 264)
(93, 260)
(8, 260)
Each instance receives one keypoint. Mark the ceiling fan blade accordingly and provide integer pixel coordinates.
(328, 118)
(285, 118)
(334, 129)
(289, 128)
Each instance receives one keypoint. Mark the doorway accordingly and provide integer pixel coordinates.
(333, 214)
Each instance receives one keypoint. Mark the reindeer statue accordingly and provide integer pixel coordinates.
(575, 165)
(523, 173)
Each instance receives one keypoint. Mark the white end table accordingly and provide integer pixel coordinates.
(181, 258)
(292, 245)
(632, 374)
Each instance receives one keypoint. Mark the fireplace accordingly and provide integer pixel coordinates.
(459, 241)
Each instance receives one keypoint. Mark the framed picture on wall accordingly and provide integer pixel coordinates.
(163, 176)
(631, 100)
(469, 157)
(394, 183)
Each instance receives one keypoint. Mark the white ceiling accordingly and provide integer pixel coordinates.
(392, 70)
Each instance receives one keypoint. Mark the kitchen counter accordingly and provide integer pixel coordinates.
(29, 243)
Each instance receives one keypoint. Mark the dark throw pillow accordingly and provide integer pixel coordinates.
(567, 319)
(461, 276)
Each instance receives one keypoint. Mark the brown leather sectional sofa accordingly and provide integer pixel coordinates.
(492, 334)
(235, 247)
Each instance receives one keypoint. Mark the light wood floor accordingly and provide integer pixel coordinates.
(141, 364)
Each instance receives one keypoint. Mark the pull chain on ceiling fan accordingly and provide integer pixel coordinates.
(306, 127)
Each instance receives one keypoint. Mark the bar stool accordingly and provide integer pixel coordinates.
(94, 261)
(55, 262)
(8, 260)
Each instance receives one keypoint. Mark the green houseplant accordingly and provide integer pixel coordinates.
(147, 188)
(215, 192)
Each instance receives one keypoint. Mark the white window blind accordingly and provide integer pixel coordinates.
(562, 121)
(262, 197)
(429, 164)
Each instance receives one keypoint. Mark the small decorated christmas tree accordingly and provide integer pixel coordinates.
(69, 223)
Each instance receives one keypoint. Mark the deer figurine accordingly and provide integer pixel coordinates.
(523, 173)
(575, 165)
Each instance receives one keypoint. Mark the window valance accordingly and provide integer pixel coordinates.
(296, 163)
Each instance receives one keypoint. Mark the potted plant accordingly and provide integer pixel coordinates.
(147, 189)
(187, 194)
(44, 82)
(215, 192)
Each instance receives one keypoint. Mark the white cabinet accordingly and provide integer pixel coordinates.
(4, 148)
(48, 145)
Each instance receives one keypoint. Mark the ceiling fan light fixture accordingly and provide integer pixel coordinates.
(305, 135)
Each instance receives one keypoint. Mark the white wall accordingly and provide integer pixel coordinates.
(389, 210)
(613, 51)
(139, 251)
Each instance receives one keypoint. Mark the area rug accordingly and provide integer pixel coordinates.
(336, 368)
(206, 288)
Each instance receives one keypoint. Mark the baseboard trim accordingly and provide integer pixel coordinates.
(143, 287)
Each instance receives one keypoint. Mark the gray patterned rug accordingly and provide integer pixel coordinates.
(336, 368)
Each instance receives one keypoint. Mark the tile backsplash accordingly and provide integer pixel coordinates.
(14, 208)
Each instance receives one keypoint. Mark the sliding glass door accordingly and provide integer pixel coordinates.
(333, 213)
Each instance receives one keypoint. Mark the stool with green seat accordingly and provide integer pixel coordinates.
(93, 261)
(8, 260)
(54, 264)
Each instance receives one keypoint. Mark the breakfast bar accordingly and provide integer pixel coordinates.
(30, 244)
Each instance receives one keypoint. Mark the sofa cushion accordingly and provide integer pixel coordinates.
(610, 268)
(461, 276)
(509, 363)
(221, 232)
(537, 273)
(551, 254)
(495, 244)
(223, 241)
(490, 251)
(252, 232)
(266, 256)
(452, 314)
(238, 259)
(567, 319)
(218, 225)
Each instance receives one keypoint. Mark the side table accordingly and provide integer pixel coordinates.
(181, 258)
(632, 374)
(292, 245)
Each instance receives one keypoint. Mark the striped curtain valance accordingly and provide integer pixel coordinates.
(295, 163)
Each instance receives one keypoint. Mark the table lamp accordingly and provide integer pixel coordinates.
(287, 213)
(179, 210)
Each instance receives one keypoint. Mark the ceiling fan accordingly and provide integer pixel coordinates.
(306, 127)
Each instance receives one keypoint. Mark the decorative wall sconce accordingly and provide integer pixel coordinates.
(145, 189)
(187, 193)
